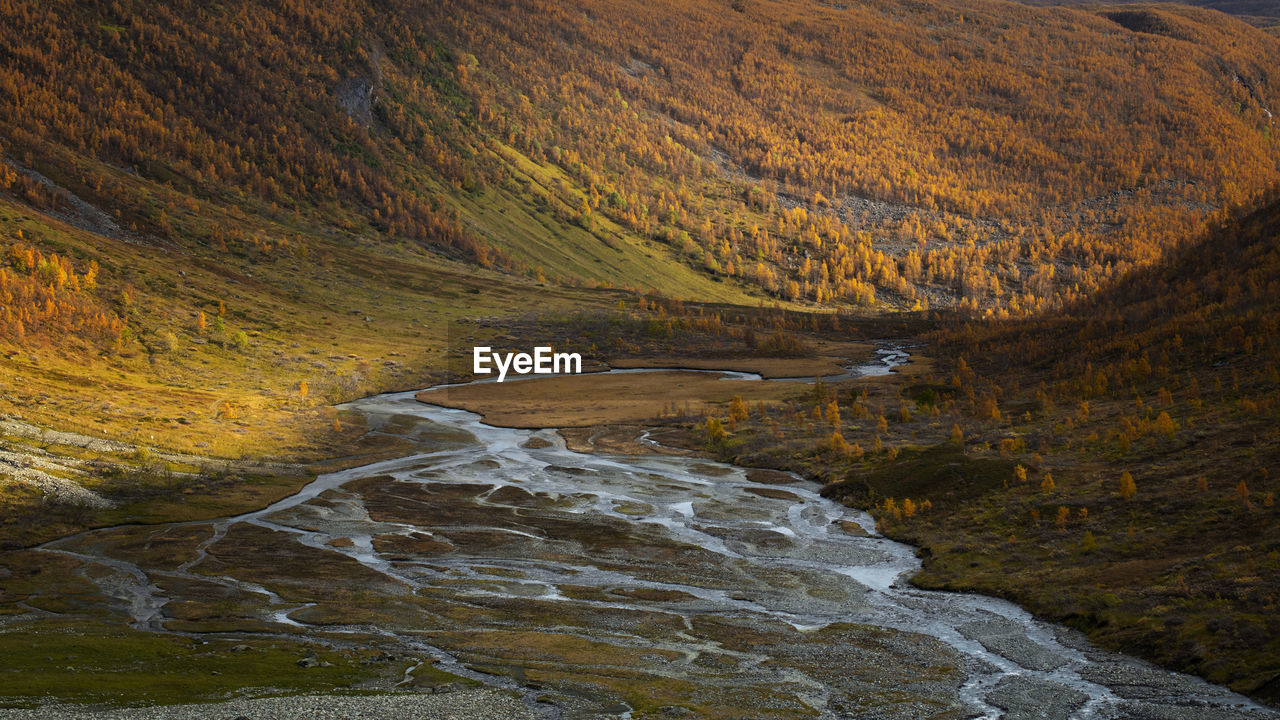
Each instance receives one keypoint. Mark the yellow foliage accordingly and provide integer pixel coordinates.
(1128, 488)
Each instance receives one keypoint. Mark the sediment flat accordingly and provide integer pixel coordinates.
(600, 398)
(467, 704)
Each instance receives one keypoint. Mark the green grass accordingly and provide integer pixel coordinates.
(88, 662)
(939, 473)
(606, 253)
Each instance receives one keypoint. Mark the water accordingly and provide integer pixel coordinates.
(887, 356)
(501, 554)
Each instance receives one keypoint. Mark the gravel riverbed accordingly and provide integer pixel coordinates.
(460, 705)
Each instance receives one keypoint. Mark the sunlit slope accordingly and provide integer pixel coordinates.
(961, 152)
(257, 116)
(984, 153)
(517, 221)
(1262, 13)
(1210, 311)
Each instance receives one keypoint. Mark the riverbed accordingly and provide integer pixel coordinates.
(590, 585)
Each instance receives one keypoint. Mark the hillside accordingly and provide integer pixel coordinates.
(325, 171)
(1110, 464)
(1261, 13)
(1172, 382)
(954, 152)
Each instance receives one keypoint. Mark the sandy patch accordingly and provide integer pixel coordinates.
(602, 399)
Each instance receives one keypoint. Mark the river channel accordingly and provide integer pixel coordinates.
(639, 586)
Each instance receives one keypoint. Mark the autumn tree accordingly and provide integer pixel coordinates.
(737, 411)
(714, 432)
(1128, 488)
(1242, 493)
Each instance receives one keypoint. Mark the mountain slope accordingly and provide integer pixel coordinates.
(1262, 13)
(1155, 407)
(1110, 465)
(960, 151)
(228, 216)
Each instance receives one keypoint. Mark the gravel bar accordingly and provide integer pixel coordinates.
(460, 705)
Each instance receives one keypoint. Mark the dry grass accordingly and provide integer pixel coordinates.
(831, 359)
(602, 399)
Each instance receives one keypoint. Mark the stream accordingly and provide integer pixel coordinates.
(654, 585)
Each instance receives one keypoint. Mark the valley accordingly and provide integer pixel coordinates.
(929, 359)
(594, 585)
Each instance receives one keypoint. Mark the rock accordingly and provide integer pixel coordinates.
(1022, 697)
(240, 648)
(770, 477)
(773, 493)
(1005, 638)
(381, 657)
(852, 527)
